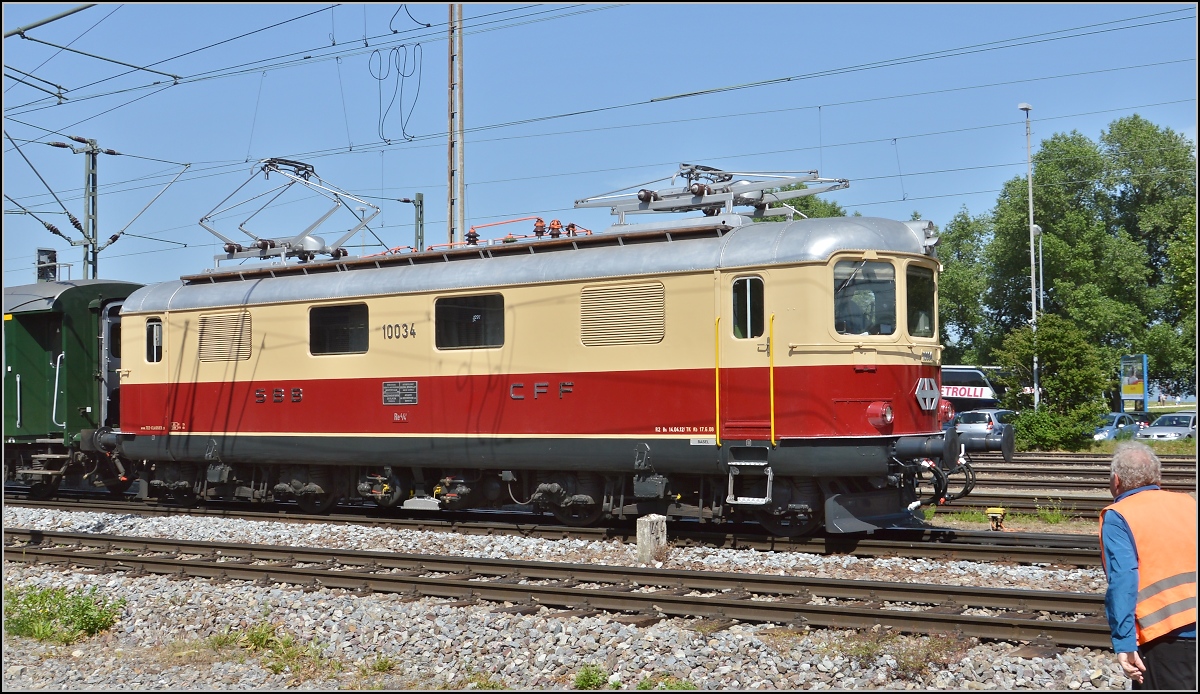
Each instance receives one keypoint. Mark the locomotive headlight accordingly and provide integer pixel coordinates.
(880, 414)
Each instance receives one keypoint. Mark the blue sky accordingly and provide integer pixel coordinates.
(915, 104)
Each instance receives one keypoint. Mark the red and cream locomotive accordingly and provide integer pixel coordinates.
(714, 367)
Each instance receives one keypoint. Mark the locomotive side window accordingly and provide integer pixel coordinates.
(864, 296)
(154, 340)
(338, 329)
(463, 322)
(748, 307)
(919, 281)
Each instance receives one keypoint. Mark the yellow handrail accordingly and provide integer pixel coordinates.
(717, 352)
(771, 357)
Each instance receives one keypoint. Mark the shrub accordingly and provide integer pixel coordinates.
(56, 614)
(591, 677)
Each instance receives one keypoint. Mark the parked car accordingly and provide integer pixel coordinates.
(1142, 418)
(1170, 427)
(983, 422)
(1117, 425)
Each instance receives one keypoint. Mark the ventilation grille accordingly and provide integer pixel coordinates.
(634, 314)
(225, 337)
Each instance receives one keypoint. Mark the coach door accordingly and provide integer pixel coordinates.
(110, 363)
(744, 360)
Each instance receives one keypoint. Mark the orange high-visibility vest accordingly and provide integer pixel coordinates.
(1163, 525)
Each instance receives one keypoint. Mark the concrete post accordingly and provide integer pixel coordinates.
(651, 537)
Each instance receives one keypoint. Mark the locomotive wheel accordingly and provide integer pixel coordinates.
(186, 499)
(40, 491)
(577, 516)
(118, 487)
(782, 526)
(316, 504)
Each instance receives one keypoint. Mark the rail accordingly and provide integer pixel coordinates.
(1064, 618)
(924, 543)
(18, 401)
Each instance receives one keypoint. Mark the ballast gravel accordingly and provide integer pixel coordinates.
(170, 633)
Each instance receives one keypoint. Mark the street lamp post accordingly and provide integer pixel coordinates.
(1033, 265)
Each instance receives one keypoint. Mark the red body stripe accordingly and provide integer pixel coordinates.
(809, 402)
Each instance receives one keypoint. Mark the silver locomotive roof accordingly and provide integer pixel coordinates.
(743, 243)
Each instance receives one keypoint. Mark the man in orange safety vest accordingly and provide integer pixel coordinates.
(1148, 540)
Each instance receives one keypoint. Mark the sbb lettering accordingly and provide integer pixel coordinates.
(279, 395)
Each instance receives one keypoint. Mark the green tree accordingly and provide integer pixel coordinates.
(1118, 221)
(1072, 376)
(962, 286)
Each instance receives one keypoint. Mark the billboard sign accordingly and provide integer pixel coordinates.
(1133, 382)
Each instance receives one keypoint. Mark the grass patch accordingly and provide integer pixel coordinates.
(965, 516)
(280, 651)
(664, 681)
(780, 638)
(1179, 447)
(1052, 512)
(477, 680)
(591, 677)
(59, 615)
(708, 626)
(914, 656)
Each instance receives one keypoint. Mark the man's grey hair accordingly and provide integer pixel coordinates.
(1136, 465)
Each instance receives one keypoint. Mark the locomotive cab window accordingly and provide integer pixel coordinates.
(154, 340)
(465, 322)
(864, 296)
(919, 291)
(338, 329)
(748, 307)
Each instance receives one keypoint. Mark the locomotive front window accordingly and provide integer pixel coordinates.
(154, 340)
(864, 297)
(338, 329)
(920, 301)
(748, 307)
(465, 322)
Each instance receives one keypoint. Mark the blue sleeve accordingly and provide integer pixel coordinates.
(1121, 568)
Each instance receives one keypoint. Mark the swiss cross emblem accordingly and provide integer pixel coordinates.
(927, 394)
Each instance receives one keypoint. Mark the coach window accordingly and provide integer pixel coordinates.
(864, 297)
(465, 322)
(338, 329)
(919, 291)
(748, 307)
(154, 340)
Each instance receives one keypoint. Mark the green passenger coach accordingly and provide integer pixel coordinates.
(62, 383)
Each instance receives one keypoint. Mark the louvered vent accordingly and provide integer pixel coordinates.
(634, 314)
(225, 337)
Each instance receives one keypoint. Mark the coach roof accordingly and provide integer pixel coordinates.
(45, 296)
(749, 245)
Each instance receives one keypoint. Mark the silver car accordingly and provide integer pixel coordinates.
(1170, 427)
(983, 422)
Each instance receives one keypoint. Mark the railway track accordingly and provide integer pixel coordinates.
(644, 595)
(923, 543)
(1073, 506)
(1073, 459)
(985, 481)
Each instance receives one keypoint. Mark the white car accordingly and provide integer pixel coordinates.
(1170, 427)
